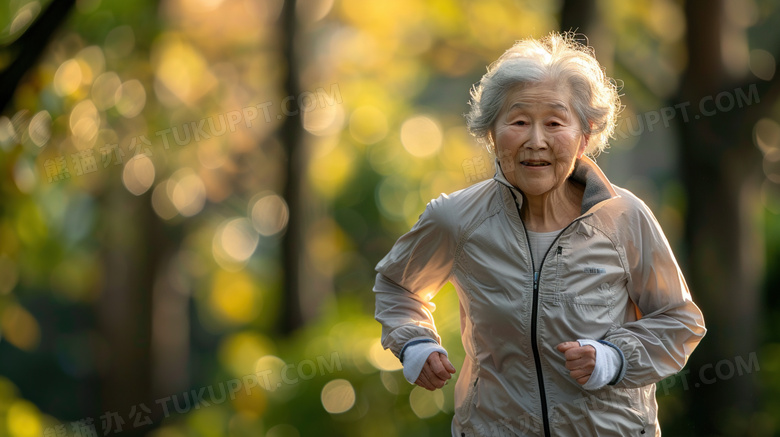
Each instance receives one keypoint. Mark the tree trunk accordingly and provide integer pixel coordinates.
(578, 16)
(719, 167)
(583, 17)
(132, 252)
(291, 136)
(29, 46)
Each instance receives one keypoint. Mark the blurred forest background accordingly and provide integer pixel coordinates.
(193, 194)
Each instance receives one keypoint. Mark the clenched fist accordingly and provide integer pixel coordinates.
(580, 360)
(435, 372)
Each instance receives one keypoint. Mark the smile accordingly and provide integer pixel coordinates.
(535, 163)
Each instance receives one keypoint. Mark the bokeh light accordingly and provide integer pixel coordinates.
(283, 430)
(24, 420)
(368, 125)
(105, 89)
(238, 353)
(329, 169)
(138, 174)
(310, 11)
(382, 358)
(762, 64)
(20, 328)
(130, 98)
(234, 242)
(667, 20)
(211, 154)
(421, 136)
(396, 198)
(770, 196)
(772, 165)
(269, 370)
(161, 201)
(40, 128)
(338, 396)
(390, 382)
(269, 214)
(119, 42)
(426, 403)
(67, 79)
(234, 297)
(187, 192)
(324, 120)
(84, 123)
(766, 133)
(180, 71)
(24, 176)
(91, 62)
(9, 274)
(7, 132)
(31, 227)
(24, 17)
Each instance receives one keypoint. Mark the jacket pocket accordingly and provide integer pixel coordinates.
(636, 404)
(580, 280)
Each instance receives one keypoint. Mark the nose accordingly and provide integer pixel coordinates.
(536, 139)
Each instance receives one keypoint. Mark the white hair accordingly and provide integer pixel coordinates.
(559, 58)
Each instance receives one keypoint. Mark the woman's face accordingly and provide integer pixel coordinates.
(538, 138)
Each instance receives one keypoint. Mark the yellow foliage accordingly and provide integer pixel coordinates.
(234, 297)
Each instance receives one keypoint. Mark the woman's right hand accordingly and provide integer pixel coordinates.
(436, 371)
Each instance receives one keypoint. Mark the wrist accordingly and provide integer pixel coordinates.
(415, 354)
(608, 367)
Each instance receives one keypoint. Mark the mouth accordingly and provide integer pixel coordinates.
(535, 163)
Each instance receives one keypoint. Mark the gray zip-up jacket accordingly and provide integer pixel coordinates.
(610, 275)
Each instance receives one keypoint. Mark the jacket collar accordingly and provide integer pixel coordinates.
(587, 172)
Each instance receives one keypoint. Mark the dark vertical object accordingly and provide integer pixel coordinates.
(578, 16)
(291, 135)
(133, 246)
(124, 307)
(582, 17)
(29, 46)
(721, 172)
(170, 336)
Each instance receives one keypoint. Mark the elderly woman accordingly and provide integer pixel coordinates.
(572, 305)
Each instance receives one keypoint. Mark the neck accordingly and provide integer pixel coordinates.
(554, 210)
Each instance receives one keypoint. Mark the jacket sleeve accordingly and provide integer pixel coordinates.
(669, 325)
(414, 270)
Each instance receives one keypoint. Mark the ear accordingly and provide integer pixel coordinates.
(492, 142)
(583, 146)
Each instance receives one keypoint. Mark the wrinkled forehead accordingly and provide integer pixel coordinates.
(552, 95)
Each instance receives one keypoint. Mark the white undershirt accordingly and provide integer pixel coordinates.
(540, 243)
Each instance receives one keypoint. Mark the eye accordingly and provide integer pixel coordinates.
(520, 123)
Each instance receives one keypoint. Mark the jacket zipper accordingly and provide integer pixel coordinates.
(535, 312)
(535, 348)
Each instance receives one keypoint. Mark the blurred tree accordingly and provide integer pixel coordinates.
(291, 136)
(721, 168)
(27, 48)
(586, 17)
(579, 16)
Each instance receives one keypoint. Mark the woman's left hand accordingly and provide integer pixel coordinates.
(580, 360)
